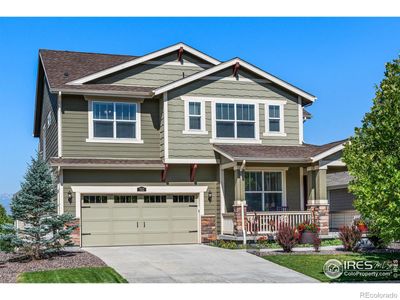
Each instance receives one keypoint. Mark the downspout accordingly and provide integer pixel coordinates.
(59, 124)
(242, 205)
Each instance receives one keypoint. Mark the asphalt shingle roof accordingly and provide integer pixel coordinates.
(62, 67)
(263, 152)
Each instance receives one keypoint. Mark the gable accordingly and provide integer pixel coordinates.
(223, 85)
(157, 72)
(230, 65)
(148, 57)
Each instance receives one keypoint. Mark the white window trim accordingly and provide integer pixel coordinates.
(92, 139)
(284, 192)
(216, 139)
(281, 119)
(202, 117)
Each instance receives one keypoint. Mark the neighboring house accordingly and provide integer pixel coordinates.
(342, 211)
(177, 147)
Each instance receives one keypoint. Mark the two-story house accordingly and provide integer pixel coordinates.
(177, 147)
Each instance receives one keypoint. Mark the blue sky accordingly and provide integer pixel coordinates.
(337, 59)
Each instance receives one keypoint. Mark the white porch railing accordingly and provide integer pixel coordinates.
(227, 223)
(269, 222)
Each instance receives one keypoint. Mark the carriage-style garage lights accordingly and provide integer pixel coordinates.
(70, 197)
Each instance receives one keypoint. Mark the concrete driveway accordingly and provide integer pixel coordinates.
(193, 263)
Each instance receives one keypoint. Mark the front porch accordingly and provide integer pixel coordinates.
(257, 197)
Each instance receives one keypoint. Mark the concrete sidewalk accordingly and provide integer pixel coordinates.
(193, 263)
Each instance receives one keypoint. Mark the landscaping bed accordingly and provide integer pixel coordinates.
(12, 265)
(269, 244)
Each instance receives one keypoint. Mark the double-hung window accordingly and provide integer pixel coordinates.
(115, 120)
(264, 190)
(235, 121)
(195, 117)
(274, 119)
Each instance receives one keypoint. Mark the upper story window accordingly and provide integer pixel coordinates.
(114, 121)
(194, 117)
(274, 118)
(235, 121)
(274, 124)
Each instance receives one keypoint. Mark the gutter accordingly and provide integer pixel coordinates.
(102, 93)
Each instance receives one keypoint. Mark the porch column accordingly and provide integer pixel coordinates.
(317, 197)
(239, 220)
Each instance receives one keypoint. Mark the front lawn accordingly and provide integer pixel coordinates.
(312, 265)
(77, 275)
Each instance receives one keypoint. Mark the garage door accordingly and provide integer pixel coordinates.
(117, 220)
(341, 208)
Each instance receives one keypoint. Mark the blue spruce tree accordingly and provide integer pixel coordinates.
(44, 231)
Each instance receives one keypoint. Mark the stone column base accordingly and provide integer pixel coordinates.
(320, 216)
(237, 219)
(208, 228)
(76, 233)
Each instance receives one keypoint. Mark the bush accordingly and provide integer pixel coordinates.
(316, 242)
(375, 238)
(225, 244)
(350, 237)
(287, 237)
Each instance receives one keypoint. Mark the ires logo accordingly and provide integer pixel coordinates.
(334, 268)
(358, 265)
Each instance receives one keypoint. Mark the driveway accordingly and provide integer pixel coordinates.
(193, 263)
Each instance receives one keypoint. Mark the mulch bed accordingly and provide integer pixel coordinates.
(11, 265)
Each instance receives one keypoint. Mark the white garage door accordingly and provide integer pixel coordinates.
(116, 220)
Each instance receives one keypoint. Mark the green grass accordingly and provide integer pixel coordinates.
(312, 264)
(78, 275)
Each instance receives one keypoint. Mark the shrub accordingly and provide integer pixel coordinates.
(287, 237)
(350, 237)
(225, 244)
(265, 242)
(316, 242)
(375, 238)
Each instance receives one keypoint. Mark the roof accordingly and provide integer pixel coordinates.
(141, 59)
(243, 64)
(106, 163)
(61, 67)
(306, 114)
(301, 153)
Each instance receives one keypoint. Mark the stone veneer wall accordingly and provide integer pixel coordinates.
(208, 228)
(320, 216)
(237, 219)
(76, 234)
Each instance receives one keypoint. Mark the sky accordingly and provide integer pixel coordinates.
(340, 60)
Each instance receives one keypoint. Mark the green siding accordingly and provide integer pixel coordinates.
(199, 146)
(177, 175)
(153, 75)
(49, 106)
(75, 132)
(293, 188)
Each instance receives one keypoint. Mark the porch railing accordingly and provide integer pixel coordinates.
(269, 222)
